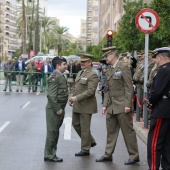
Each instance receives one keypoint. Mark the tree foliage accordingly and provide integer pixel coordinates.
(129, 38)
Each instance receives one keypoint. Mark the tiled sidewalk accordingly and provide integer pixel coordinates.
(140, 130)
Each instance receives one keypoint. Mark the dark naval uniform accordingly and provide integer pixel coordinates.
(57, 99)
(159, 135)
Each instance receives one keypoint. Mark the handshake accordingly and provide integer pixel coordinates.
(72, 100)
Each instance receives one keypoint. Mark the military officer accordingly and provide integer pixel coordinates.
(139, 85)
(151, 76)
(57, 100)
(150, 66)
(158, 144)
(31, 69)
(118, 108)
(84, 103)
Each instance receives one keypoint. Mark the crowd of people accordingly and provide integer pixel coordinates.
(35, 73)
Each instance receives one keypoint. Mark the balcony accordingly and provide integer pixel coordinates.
(12, 48)
(10, 11)
(13, 42)
(10, 5)
(11, 30)
(10, 36)
(11, 17)
(11, 23)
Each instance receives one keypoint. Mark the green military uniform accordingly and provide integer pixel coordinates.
(139, 86)
(150, 66)
(117, 97)
(151, 76)
(31, 69)
(85, 105)
(57, 99)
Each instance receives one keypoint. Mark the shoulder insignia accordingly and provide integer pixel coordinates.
(53, 75)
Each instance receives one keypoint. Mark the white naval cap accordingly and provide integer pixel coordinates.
(160, 50)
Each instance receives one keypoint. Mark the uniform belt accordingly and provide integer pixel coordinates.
(164, 97)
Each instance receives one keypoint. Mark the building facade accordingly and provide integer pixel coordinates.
(8, 35)
(92, 22)
(111, 12)
(44, 6)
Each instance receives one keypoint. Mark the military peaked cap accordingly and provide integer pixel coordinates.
(149, 52)
(160, 50)
(109, 49)
(85, 57)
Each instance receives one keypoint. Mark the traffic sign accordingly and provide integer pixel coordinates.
(147, 20)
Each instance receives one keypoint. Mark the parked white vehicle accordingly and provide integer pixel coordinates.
(42, 58)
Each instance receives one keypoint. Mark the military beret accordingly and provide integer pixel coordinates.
(85, 57)
(59, 58)
(160, 50)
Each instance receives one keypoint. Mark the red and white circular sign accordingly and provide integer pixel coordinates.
(147, 20)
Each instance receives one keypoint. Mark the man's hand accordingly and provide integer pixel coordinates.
(127, 109)
(104, 110)
(60, 112)
(73, 99)
(70, 103)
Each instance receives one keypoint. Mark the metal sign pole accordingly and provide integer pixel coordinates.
(145, 111)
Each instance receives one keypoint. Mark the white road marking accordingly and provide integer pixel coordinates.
(37, 93)
(4, 126)
(25, 105)
(67, 130)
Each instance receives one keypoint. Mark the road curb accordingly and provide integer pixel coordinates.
(140, 131)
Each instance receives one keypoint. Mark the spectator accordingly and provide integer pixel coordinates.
(71, 77)
(9, 66)
(102, 78)
(39, 63)
(77, 66)
(20, 67)
(45, 70)
(31, 69)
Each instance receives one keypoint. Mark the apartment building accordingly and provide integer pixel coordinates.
(56, 20)
(8, 36)
(83, 27)
(44, 6)
(110, 15)
(92, 22)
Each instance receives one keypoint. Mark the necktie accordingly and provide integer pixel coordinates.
(81, 72)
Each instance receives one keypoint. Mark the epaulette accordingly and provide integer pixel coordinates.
(53, 75)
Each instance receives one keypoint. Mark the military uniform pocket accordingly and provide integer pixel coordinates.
(83, 81)
(116, 77)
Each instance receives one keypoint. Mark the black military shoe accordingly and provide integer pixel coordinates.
(131, 162)
(81, 153)
(103, 159)
(55, 159)
(4, 90)
(93, 144)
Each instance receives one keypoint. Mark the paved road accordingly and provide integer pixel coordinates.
(23, 131)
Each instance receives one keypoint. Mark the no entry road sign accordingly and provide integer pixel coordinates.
(147, 20)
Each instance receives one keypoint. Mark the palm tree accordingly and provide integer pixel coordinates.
(48, 31)
(61, 37)
(37, 29)
(23, 26)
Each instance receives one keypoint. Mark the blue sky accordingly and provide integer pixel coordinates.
(69, 12)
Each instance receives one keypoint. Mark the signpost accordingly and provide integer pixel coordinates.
(147, 21)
